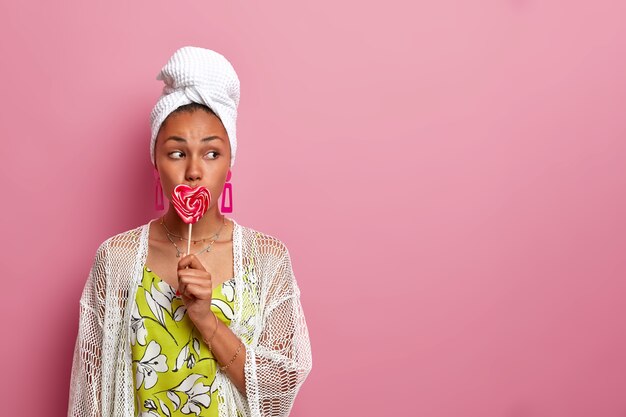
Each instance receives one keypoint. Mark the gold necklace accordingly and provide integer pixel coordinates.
(207, 249)
(195, 241)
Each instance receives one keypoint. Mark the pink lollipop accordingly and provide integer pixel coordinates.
(190, 204)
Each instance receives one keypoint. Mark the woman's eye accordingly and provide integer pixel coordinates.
(214, 153)
(176, 154)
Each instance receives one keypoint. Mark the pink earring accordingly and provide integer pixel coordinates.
(227, 194)
(158, 192)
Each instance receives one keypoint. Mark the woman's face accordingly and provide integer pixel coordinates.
(193, 148)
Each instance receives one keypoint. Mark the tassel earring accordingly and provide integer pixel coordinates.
(158, 192)
(227, 194)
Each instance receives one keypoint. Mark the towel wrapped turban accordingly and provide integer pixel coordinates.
(198, 75)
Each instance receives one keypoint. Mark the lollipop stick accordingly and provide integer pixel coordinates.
(189, 241)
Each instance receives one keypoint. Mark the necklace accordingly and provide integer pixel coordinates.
(195, 241)
(207, 249)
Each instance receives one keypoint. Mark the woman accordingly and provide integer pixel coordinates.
(216, 332)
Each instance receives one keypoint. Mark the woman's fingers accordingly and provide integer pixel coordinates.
(191, 271)
(200, 292)
(198, 286)
(204, 282)
(190, 261)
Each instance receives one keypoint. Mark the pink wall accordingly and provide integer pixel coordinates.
(448, 175)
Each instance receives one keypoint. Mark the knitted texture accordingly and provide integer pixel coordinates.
(268, 319)
(198, 75)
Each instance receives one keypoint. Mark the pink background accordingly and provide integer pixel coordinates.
(448, 176)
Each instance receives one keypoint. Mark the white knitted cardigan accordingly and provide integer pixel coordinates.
(268, 318)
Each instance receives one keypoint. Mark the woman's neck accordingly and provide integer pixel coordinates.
(207, 226)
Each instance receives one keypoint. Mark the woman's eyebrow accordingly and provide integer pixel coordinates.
(179, 139)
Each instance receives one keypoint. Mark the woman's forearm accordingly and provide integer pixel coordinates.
(224, 345)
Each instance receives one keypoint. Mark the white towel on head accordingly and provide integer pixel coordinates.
(198, 75)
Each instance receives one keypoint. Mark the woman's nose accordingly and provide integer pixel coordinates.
(194, 171)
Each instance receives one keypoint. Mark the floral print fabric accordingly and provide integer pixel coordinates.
(174, 369)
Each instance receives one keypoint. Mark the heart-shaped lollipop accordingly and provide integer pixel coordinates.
(190, 204)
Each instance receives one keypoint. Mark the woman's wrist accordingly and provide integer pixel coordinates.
(208, 342)
(208, 328)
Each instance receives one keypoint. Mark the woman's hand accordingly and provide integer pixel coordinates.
(195, 287)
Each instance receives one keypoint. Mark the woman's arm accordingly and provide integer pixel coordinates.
(269, 373)
(225, 346)
(195, 288)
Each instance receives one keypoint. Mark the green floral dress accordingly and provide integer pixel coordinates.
(174, 369)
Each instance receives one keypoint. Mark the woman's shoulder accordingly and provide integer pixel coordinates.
(262, 243)
(272, 260)
(128, 239)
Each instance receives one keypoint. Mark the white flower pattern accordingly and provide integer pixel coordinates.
(138, 330)
(196, 394)
(197, 397)
(151, 363)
